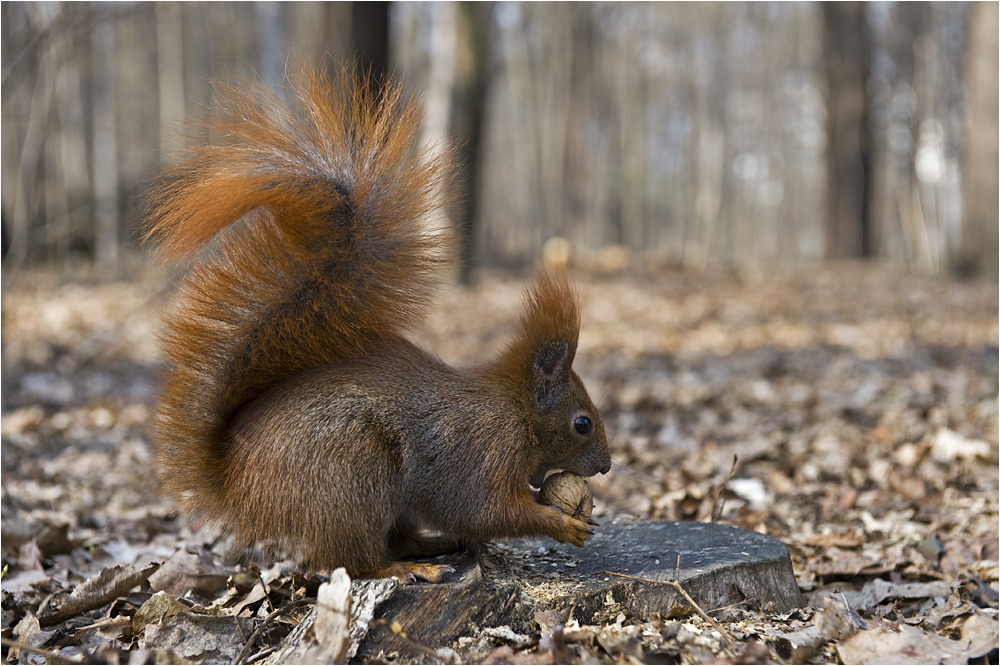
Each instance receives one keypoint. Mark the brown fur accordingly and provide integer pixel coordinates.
(294, 411)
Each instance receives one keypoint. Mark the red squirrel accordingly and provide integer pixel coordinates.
(294, 412)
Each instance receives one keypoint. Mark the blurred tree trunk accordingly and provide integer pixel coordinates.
(32, 121)
(74, 185)
(170, 77)
(630, 98)
(107, 221)
(980, 176)
(473, 46)
(370, 35)
(271, 48)
(846, 50)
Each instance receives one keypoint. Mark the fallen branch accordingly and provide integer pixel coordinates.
(287, 608)
(717, 500)
(51, 657)
(397, 629)
(677, 586)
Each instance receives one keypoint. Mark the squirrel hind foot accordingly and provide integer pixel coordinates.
(409, 572)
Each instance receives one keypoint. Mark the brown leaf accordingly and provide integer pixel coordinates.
(878, 590)
(101, 588)
(910, 645)
(207, 638)
(835, 562)
(848, 540)
(186, 571)
(330, 630)
(506, 655)
(28, 631)
(23, 581)
(829, 624)
(158, 607)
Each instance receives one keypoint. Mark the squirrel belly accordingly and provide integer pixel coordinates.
(294, 412)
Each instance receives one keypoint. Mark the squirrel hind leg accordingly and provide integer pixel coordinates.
(405, 540)
(409, 572)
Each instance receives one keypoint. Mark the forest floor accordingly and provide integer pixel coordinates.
(860, 404)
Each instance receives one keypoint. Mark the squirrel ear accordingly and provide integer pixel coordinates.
(550, 363)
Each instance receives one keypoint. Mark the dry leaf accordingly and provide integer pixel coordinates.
(206, 638)
(910, 645)
(330, 630)
(949, 445)
(101, 588)
(157, 608)
(186, 571)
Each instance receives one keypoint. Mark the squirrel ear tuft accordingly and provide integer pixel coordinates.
(550, 315)
(550, 365)
(550, 360)
(544, 347)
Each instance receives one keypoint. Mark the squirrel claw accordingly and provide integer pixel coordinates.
(408, 572)
(577, 531)
(433, 573)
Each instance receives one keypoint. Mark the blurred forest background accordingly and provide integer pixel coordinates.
(722, 159)
(722, 135)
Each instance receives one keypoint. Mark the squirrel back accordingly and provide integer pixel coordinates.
(294, 411)
(313, 250)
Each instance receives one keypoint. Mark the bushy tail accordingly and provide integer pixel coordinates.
(307, 239)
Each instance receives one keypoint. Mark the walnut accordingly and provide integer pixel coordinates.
(570, 493)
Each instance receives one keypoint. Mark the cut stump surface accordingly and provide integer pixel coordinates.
(507, 583)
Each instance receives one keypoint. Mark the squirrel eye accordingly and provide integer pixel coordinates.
(582, 425)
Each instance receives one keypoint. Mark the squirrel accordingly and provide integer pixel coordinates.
(294, 412)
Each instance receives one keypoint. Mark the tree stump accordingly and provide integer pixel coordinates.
(504, 585)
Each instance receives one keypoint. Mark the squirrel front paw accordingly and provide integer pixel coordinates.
(569, 498)
(568, 529)
(577, 531)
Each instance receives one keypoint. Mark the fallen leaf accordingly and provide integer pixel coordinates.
(158, 607)
(206, 638)
(186, 571)
(101, 588)
(330, 630)
(254, 596)
(29, 632)
(878, 590)
(980, 634)
(910, 645)
(829, 624)
(23, 581)
(849, 540)
(949, 445)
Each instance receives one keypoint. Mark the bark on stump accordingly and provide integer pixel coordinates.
(505, 584)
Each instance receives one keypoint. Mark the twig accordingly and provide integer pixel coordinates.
(105, 623)
(263, 653)
(677, 586)
(397, 629)
(51, 657)
(717, 501)
(263, 586)
(287, 608)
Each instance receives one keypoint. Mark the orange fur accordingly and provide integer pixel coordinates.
(294, 411)
(319, 251)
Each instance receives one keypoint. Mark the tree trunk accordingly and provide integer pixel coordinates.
(471, 86)
(107, 221)
(370, 34)
(980, 176)
(848, 144)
